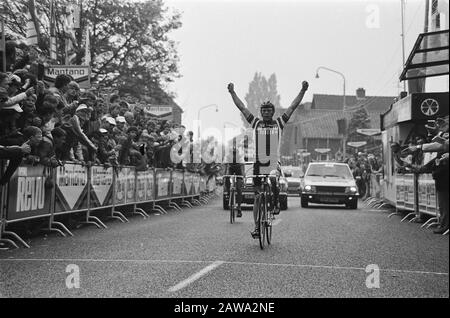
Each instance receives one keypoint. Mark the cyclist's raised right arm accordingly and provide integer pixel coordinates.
(239, 104)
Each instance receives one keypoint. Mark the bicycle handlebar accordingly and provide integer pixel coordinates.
(262, 176)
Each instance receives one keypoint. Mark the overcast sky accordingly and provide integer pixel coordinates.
(224, 41)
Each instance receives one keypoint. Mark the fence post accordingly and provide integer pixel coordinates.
(51, 221)
(184, 194)
(172, 204)
(116, 214)
(137, 210)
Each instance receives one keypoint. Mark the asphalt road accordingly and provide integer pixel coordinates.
(321, 251)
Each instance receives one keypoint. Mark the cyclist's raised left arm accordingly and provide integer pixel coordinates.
(296, 102)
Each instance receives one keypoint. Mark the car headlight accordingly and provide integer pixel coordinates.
(283, 184)
(351, 190)
(309, 188)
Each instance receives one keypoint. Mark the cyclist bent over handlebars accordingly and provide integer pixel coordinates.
(267, 136)
(235, 166)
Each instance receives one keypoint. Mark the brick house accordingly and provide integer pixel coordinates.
(314, 126)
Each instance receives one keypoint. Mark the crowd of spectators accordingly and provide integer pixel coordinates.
(366, 169)
(52, 125)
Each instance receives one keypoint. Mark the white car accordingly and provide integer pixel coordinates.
(329, 183)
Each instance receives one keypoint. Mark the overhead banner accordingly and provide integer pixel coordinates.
(101, 186)
(159, 111)
(71, 187)
(369, 131)
(80, 74)
(28, 196)
(356, 144)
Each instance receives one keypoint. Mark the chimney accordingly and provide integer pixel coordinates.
(360, 93)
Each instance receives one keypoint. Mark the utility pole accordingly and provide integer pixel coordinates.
(403, 38)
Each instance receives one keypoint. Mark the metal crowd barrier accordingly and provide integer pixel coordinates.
(415, 194)
(39, 192)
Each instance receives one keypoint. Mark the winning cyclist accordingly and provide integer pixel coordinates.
(267, 137)
(235, 165)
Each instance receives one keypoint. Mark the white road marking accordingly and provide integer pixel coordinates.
(219, 263)
(194, 277)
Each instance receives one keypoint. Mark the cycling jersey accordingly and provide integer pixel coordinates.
(267, 138)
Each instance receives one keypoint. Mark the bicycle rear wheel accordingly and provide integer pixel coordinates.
(232, 207)
(261, 221)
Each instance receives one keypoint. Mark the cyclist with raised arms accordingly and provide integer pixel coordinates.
(267, 136)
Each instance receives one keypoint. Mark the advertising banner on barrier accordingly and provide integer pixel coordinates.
(144, 186)
(177, 183)
(427, 194)
(71, 188)
(131, 186)
(162, 184)
(125, 186)
(201, 184)
(188, 183)
(211, 184)
(28, 196)
(196, 184)
(409, 191)
(101, 179)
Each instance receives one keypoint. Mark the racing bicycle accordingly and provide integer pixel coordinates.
(265, 210)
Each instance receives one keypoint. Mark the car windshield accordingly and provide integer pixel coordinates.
(329, 170)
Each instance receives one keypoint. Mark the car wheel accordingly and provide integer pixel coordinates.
(304, 203)
(226, 205)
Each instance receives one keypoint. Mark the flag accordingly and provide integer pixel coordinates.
(31, 31)
(87, 57)
(53, 49)
(3, 46)
(435, 16)
(70, 36)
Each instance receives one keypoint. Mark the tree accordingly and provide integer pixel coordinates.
(130, 47)
(360, 120)
(261, 90)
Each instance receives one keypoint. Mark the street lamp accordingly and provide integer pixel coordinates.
(344, 146)
(198, 115)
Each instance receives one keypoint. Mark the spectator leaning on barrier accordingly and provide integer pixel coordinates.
(33, 135)
(61, 86)
(52, 146)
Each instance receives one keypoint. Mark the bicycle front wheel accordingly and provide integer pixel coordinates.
(262, 221)
(269, 227)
